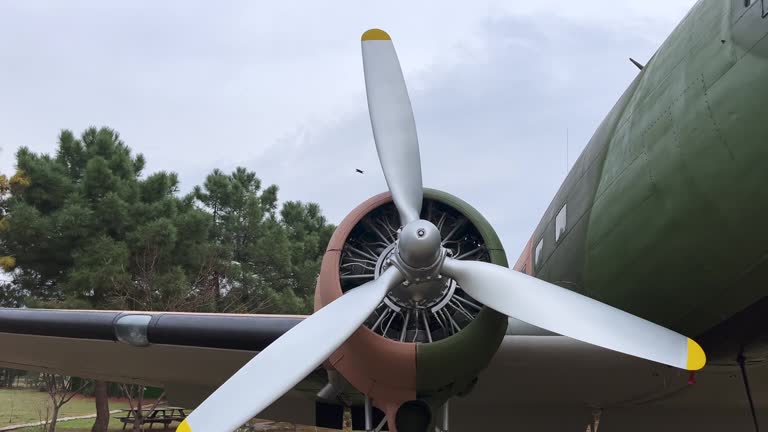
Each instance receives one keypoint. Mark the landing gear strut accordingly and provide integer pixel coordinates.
(369, 417)
(412, 416)
(444, 418)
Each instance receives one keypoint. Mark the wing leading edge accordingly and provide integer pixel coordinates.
(188, 354)
(150, 347)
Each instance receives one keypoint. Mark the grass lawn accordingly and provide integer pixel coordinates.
(80, 426)
(116, 426)
(25, 406)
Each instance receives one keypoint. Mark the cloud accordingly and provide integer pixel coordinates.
(279, 89)
(493, 124)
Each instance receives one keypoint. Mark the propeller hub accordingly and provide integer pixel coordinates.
(419, 245)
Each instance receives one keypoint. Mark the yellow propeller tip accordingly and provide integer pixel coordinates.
(696, 357)
(184, 427)
(375, 34)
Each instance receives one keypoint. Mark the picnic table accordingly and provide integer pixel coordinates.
(164, 415)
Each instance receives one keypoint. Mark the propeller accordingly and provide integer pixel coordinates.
(394, 129)
(513, 293)
(570, 314)
(289, 359)
(419, 256)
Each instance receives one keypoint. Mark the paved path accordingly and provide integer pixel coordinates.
(62, 419)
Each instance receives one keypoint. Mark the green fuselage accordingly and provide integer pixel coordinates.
(666, 205)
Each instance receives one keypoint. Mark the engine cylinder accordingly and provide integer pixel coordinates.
(425, 341)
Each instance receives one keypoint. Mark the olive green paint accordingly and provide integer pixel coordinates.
(471, 349)
(670, 234)
(666, 205)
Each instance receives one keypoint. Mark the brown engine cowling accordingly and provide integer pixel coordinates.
(427, 346)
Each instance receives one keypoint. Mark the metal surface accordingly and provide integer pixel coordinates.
(385, 368)
(227, 331)
(132, 329)
(526, 386)
(394, 128)
(664, 202)
(368, 415)
(279, 367)
(419, 244)
(381, 425)
(664, 220)
(445, 417)
(419, 311)
(532, 365)
(570, 314)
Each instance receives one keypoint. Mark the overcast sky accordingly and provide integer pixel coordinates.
(277, 87)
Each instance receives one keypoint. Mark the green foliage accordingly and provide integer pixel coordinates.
(264, 262)
(88, 230)
(10, 295)
(309, 234)
(99, 269)
(85, 229)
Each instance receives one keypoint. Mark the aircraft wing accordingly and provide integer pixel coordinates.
(554, 383)
(534, 375)
(188, 354)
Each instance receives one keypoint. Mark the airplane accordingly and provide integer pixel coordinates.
(419, 324)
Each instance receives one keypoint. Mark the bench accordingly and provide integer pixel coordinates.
(165, 421)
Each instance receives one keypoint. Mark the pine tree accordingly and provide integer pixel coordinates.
(85, 228)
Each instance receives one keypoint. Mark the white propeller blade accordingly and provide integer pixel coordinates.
(288, 360)
(570, 314)
(394, 129)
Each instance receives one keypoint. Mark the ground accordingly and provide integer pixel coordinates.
(27, 406)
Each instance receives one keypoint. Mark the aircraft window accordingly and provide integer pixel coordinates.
(748, 3)
(560, 223)
(537, 256)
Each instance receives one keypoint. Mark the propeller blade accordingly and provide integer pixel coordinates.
(285, 362)
(570, 314)
(394, 129)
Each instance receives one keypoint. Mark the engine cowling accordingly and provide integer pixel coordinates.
(425, 341)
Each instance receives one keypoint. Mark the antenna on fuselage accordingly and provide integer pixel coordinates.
(567, 158)
(636, 63)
